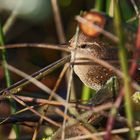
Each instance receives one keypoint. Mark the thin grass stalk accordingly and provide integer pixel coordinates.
(113, 112)
(136, 55)
(62, 40)
(124, 66)
(108, 4)
(69, 84)
(7, 77)
(58, 22)
(86, 92)
(4, 61)
(109, 7)
(115, 131)
(125, 6)
(99, 5)
(12, 18)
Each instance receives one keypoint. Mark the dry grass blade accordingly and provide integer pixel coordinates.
(36, 45)
(58, 22)
(11, 19)
(115, 131)
(58, 82)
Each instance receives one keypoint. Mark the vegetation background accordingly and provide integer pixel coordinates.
(34, 22)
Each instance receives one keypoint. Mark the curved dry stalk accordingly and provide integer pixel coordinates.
(40, 101)
(11, 19)
(115, 131)
(58, 82)
(37, 45)
(43, 102)
(69, 83)
(58, 22)
(66, 106)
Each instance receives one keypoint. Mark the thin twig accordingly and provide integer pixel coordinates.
(73, 104)
(136, 8)
(58, 22)
(69, 85)
(66, 66)
(115, 131)
(7, 75)
(12, 18)
(37, 45)
(127, 81)
(136, 54)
